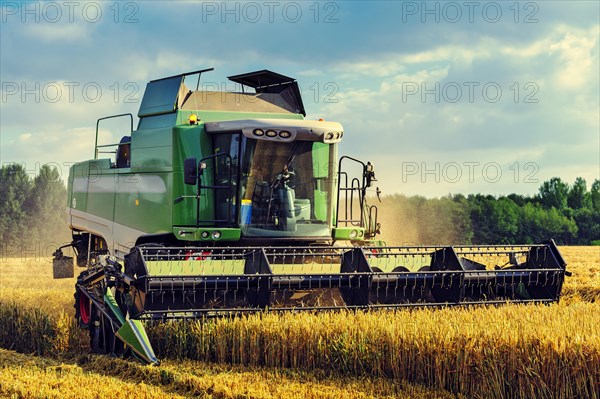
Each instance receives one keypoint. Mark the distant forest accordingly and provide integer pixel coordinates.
(32, 214)
(32, 211)
(570, 214)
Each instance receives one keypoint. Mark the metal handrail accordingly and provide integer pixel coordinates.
(360, 187)
(96, 146)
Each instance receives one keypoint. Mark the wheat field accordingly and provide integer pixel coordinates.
(509, 351)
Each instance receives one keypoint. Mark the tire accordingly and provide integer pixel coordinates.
(82, 309)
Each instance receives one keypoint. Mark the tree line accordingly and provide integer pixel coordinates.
(32, 212)
(570, 214)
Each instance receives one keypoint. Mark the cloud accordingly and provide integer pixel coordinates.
(61, 33)
(60, 148)
(24, 137)
(554, 62)
(577, 61)
(310, 72)
(428, 127)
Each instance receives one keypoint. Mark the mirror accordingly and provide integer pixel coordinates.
(369, 174)
(190, 171)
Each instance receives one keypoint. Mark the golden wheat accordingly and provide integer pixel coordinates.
(584, 284)
(508, 351)
(103, 377)
(494, 352)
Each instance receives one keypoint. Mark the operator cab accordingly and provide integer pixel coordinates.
(260, 169)
(285, 189)
(276, 177)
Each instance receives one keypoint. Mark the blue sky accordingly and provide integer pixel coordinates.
(443, 97)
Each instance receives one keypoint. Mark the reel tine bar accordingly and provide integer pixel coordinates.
(188, 282)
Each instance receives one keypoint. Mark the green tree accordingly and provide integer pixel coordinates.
(45, 207)
(588, 224)
(531, 230)
(554, 193)
(595, 195)
(518, 199)
(578, 196)
(495, 221)
(538, 224)
(559, 227)
(14, 190)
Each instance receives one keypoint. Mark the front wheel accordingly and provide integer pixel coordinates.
(82, 309)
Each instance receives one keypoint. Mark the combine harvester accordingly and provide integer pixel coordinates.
(224, 203)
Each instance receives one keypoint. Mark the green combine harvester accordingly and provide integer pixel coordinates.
(233, 202)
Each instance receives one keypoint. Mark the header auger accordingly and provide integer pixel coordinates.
(225, 203)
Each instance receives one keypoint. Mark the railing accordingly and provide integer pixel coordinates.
(349, 192)
(367, 217)
(96, 146)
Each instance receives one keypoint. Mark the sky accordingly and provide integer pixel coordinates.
(442, 97)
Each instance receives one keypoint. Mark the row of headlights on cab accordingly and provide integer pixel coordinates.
(334, 136)
(284, 134)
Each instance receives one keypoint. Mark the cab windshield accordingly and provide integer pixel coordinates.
(285, 188)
